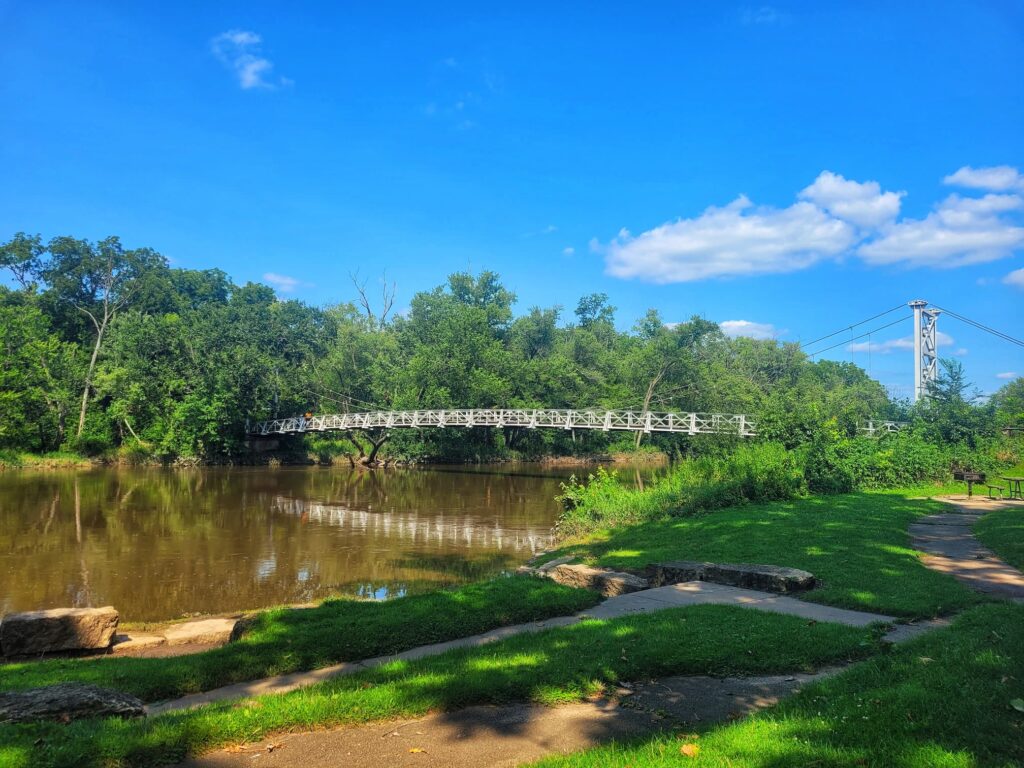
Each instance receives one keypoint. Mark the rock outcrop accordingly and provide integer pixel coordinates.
(58, 629)
(766, 578)
(67, 701)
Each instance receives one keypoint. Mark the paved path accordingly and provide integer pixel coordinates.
(951, 548)
(645, 601)
(501, 737)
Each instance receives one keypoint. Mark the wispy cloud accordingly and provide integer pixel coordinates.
(997, 178)
(895, 345)
(1007, 375)
(239, 51)
(568, 250)
(1015, 278)
(764, 15)
(833, 218)
(752, 330)
(285, 283)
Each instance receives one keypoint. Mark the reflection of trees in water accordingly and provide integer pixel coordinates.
(158, 543)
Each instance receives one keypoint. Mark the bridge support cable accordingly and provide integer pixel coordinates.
(861, 336)
(805, 344)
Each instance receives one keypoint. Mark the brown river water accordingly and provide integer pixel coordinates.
(165, 543)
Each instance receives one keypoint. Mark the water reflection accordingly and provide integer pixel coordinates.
(164, 543)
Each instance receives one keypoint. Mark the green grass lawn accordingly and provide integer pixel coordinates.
(288, 640)
(953, 698)
(857, 544)
(552, 666)
(1002, 531)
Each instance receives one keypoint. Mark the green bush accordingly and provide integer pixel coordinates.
(753, 472)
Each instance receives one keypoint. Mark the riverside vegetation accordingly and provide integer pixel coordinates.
(110, 352)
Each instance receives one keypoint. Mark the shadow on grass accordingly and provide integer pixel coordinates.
(945, 699)
(856, 544)
(550, 667)
(287, 640)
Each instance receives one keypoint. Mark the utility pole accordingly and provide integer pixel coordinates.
(926, 361)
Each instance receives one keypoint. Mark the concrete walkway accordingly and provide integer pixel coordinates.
(506, 736)
(951, 547)
(645, 601)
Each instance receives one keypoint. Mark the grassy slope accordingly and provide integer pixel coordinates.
(285, 640)
(857, 544)
(942, 700)
(1003, 532)
(547, 667)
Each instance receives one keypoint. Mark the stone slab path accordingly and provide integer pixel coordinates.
(646, 601)
(506, 736)
(951, 548)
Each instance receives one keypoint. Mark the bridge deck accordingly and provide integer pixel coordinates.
(530, 418)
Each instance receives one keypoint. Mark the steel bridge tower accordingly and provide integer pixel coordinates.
(926, 360)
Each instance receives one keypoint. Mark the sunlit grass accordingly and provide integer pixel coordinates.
(945, 700)
(286, 640)
(856, 544)
(553, 666)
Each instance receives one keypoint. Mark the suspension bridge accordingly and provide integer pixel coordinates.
(528, 418)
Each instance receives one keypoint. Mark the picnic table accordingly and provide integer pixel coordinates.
(1015, 485)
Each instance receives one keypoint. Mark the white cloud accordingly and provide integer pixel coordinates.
(752, 330)
(284, 283)
(1007, 375)
(1015, 278)
(834, 217)
(568, 250)
(893, 345)
(739, 239)
(960, 352)
(1000, 178)
(864, 204)
(239, 51)
(959, 232)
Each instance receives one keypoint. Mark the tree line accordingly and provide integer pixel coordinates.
(107, 348)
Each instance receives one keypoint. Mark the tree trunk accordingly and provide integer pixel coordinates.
(88, 377)
(372, 458)
(647, 402)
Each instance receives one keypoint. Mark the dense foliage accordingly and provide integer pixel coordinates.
(107, 349)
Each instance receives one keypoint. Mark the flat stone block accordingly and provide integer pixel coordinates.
(136, 642)
(202, 632)
(58, 629)
(766, 578)
(608, 583)
(67, 701)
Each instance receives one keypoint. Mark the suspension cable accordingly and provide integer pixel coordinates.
(850, 327)
(981, 326)
(854, 338)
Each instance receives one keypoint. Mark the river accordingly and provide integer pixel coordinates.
(165, 543)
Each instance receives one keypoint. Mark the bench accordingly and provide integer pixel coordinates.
(992, 491)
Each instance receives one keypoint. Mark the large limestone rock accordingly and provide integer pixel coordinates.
(766, 578)
(67, 701)
(59, 629)
(608, 583)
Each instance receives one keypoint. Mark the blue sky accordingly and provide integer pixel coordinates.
(798, 166)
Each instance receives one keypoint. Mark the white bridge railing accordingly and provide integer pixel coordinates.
(530, 418)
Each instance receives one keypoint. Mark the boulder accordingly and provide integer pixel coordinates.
(59, 629)
(608, 583)
(766, 578)
(67, 701)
